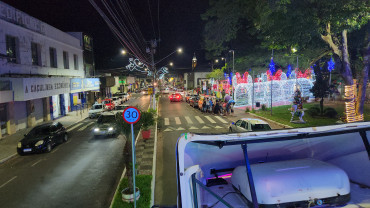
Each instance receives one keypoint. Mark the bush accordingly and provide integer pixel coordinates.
(330, 112)
(263, 107)
(247, 110)
(313, 111)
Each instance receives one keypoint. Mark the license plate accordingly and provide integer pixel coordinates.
(102, 132)
(27, 150)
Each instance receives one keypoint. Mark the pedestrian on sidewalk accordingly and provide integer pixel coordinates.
(217, 107)
(207, 105)
(210, 105)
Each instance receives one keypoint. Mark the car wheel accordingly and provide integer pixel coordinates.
(65, 138)
(20, 153)
(48, 147)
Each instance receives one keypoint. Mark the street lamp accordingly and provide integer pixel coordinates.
(232, 83)
(216, 60)
(171, 63)
(123, 52)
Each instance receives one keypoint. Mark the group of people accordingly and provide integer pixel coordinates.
(218, 106)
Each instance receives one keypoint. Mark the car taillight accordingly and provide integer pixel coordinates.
(170, 97)
(178, 96)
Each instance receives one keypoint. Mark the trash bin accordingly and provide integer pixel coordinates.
(258, 104)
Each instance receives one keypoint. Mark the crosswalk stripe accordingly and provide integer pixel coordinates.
(188, 120)
(75, 126)
(205, 127)
(193, 127)
(168, 129)
(218, 127)
(199, 119)
(177, 120)
(210, 119)
(220, 119)
(84, 127)
(180, 128)
(166, 121)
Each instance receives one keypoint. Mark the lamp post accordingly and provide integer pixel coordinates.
(232, 83)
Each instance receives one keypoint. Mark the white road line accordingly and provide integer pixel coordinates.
(177, 120)
(75, 127)
(188, 120)
(210, 119)
(84, 127)
(222, 120)
(8, 181)
(36, 162)
(55, 150)
(199, 119)
(166, 121)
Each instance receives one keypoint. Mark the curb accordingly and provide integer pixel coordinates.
(154, 167)
(15, 154)
(285, 126)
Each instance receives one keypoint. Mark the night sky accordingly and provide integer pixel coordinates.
(179, 25)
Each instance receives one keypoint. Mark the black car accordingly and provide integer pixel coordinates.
(42, 138)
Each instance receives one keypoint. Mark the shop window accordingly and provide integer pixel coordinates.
(53, 57)
(12, 49)
(75, 61)
(36, 54)
(65, 60)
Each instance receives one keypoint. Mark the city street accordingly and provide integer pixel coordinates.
(83, 172)
(178, 118)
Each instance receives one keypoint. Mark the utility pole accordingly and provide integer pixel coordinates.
(253, 90)
(153, 45)
(272, 56)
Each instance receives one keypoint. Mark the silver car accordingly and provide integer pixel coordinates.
(249, 124)
(106, 125)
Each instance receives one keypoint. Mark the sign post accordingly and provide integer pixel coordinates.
(131, 115)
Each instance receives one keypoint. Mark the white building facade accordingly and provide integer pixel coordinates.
(37, 62)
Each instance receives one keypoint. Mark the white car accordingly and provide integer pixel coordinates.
(249, 124)
(117, 100)
(166, 91)
(96, 110)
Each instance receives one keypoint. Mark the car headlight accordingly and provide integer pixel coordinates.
(19, 144)
(39, 143)
(96, 129)
(110, 129)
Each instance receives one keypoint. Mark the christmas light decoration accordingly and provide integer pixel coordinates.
(272, 66)
(349, 94)
(331, 64)
(289, 71)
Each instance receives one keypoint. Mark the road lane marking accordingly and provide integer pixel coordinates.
(75, 127)
(218, 127)
(199, 119)
(205, 127)
(177, 120)
(210, 119)
(166, 121)
(220, 119)
(55, 150)
(8, 181)
(36, 162)
(84, 127)
(193, 127)
(168, 129)
(180, 128)
(188, 120)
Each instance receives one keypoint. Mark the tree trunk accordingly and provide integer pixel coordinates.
(346, 69)
(365, 76)
(322, 106)
(127, 152)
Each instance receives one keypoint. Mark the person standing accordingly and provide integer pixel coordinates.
(210, 105)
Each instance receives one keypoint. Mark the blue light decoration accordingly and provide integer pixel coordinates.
(230, 78)
(331, 64)
(225, 75)
(289, 71)
(272, 66)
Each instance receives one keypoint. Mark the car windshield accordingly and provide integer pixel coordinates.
(114, 98)
(95, 107)
(41, 130)
(107, 119)
(260, 127)
(106, 102)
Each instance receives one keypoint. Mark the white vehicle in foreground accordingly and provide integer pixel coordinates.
(96, 110)
(117, 101)
(324, 166)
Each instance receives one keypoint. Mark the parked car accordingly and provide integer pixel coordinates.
(119, 109)
(166, 91)
(106, 125)
(181, 92)
(108, 104)
(117, 100)
(121, 96)
(42, 138)
(175, 97)
(95, 110)
(249, 124)
(144, 91)
(137, 91)
(193, 101)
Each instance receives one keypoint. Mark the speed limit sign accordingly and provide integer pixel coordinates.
(131, 115)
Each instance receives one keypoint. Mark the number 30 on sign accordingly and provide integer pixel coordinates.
(131, 115)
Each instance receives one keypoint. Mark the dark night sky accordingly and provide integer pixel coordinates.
(180, 25)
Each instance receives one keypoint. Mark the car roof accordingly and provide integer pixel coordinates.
(254, 120)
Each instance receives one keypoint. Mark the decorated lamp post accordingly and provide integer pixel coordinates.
(331, 65)
(272, 70)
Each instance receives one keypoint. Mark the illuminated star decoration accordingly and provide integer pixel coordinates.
(331, 64)
(272, 66)
(136, 64)
(289, 71)
(161, 72)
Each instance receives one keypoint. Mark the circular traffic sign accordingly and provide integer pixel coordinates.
(131, 115)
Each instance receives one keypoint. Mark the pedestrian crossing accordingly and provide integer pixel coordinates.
(82, 126)
(194, 123)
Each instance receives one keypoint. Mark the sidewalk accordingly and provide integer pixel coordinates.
(8, 144)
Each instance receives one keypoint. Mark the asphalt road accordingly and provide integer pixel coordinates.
(83, 172)
(178, 118)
